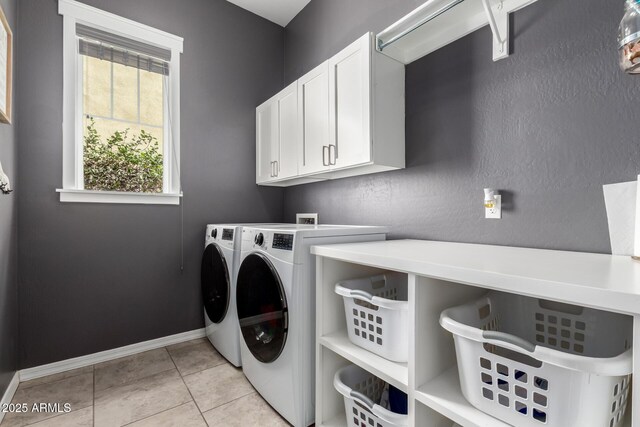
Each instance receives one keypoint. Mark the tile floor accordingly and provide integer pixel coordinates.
(183, 385)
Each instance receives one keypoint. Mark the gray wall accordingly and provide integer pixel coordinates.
(95, 277)
(8, 239)
(548, 126)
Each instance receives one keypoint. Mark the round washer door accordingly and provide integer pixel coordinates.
(215, 283)
(262, 308)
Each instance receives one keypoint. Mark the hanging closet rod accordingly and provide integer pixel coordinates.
(382, 44)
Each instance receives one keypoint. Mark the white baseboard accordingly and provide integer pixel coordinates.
(8, 394)
(104, 356)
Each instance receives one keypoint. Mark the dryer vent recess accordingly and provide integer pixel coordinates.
(307, 218)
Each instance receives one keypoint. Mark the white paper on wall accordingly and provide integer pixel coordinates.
(621, 200)
(5, 185)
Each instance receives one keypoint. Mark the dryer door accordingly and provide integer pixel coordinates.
(262, 308)
(214, 280)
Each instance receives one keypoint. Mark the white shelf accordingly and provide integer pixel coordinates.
(600, 281)
(443, 394)
(337, 421)
(396, 374)
(415, 39)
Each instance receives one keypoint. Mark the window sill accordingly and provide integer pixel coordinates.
(117, 197)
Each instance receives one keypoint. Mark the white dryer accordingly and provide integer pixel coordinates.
(220, 262)
(276, 310)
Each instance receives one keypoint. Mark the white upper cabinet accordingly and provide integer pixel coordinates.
(313, 111)
(366, 116)
(288, 124)
(266, 137)
(277, 137)
(350, 107)
(349, 120)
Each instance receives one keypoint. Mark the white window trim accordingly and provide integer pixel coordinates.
(72, 157)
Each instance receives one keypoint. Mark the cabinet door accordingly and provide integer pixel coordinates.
(266, 140)
(287, 159)
(350, 108)
(313, 104)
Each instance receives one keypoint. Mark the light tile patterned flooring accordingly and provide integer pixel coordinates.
(184, 385)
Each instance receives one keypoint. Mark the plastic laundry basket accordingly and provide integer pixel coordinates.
(377, 311)
(532, 362)
(361, 391)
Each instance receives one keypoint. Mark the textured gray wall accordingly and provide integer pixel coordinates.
(8, 239)
(548, 126)
(94, 277)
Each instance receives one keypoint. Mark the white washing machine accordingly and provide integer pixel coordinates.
(276, 311)
(220, 263)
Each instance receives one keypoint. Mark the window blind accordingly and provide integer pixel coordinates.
(122, 50)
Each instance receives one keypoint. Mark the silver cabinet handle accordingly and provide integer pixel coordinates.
(277, 168)
(332, 147)
(271, 174)
(325, 152)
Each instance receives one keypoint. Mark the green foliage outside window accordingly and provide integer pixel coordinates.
(122, 162)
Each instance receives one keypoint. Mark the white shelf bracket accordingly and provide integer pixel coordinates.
(499, 22)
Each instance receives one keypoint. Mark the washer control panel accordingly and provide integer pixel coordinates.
(282, 241)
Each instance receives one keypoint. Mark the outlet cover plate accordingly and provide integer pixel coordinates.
(307, 218)
(496, 211)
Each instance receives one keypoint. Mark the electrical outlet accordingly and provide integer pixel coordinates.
(496, 211)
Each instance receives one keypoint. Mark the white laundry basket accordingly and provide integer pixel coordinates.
(534, 363)
(377, 312)
(361, 391)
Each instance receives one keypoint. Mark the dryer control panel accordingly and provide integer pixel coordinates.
(227, 234)
(222, 236)
(282, 241)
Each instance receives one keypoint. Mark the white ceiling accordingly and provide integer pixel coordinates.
(279, 11)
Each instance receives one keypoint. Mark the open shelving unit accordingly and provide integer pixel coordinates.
(441, 275)
(334, 349)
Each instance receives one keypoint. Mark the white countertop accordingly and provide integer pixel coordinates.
(594, 280)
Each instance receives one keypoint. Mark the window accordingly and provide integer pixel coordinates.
(121, 131)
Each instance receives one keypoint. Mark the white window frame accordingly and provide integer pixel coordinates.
(72, 189)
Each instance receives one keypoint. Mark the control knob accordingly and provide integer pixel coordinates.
(214, 233)
(259, 239)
